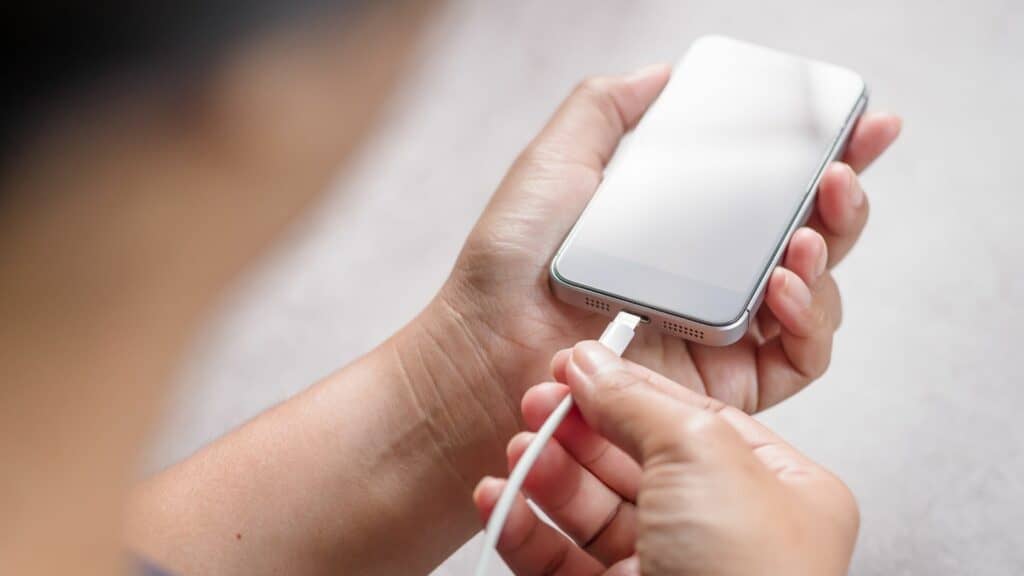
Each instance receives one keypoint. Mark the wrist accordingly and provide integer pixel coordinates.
(451, 365)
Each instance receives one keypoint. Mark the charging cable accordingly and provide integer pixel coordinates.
(616, 337)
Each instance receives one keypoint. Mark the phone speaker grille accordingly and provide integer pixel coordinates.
(680, 330)
(596, 304)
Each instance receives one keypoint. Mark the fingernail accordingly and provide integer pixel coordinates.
(819, 266)
(518, 443)
(591, 357)
(894, 127)
(628, 567)
(853, 189)
(484, 486)
(796, 291)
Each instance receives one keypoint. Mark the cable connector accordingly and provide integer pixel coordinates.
(616, 337)
(620, 331)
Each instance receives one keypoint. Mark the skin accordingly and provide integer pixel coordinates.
(343, 474)
(413, 425)
(122, 219)
(650, 477)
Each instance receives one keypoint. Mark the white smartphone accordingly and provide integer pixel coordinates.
(700, 201)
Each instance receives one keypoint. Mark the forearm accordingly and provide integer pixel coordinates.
(378, 458)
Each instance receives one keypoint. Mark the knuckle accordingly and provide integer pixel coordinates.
(713, 405)
(616, 380)
(699, 428)
(597, 93)
(704, 425)
(556, 562)
(592, 87)
(818, 316)
(531, 156)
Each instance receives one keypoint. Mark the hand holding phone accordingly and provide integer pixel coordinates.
(698, 206)
(499, 287)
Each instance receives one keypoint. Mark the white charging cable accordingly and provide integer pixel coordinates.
(616, 337)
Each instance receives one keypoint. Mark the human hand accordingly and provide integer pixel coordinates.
(490, 332)
(499, 287)
(650, 477)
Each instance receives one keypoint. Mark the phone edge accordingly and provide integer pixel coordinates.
(681, 326)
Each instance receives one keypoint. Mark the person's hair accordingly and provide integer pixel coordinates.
(64, 50)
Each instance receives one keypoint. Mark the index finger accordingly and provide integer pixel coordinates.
(648, 415)
(640, 415)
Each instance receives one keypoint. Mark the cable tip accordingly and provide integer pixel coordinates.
(629, 319)
(620, 332)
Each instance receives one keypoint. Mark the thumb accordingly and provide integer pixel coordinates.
(588, 125)
(558, 172)
(640, 417)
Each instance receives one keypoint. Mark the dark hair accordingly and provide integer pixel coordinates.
(63, 49)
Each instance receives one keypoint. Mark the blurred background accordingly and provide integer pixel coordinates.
(919, 412)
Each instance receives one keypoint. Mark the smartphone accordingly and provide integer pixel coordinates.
(699, 202)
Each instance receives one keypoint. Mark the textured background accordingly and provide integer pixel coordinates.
(919, 411)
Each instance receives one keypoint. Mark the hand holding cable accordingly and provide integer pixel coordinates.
(616, 338)
(650, 477)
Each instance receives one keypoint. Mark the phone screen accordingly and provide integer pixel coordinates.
(699, 197)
